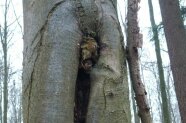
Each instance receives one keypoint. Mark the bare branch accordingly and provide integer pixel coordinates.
(17, 18)
(1, 36)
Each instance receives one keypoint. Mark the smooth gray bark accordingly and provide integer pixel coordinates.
(109, 102)
(51, 59)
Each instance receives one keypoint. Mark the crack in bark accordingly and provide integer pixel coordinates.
(37, 47)
(32, 73)
(42, 30)
(105, 100)
(52, 10)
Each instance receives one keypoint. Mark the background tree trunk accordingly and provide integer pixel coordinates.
(176, 37)
(4, 43)
(173, 119)
(165, 106)
(51, 60)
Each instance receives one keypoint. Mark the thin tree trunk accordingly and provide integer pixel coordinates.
(13, 96)
(135, 108)
(5, 83)
(5, 92)
(1, 112)
(159, 100)
(20, 110)
(176, 37)
(165, 108)
(134, 41)
(169, 96)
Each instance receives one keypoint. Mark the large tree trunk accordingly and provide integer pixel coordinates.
(164, 98)
(51, 60)
(176, 41)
